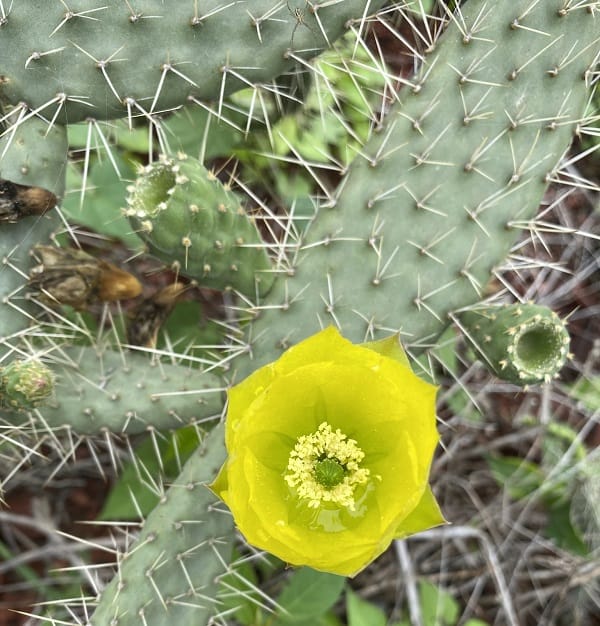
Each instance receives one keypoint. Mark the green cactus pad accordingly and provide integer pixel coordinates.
(25, 384)
(521, 343)
(32, 155)
(98, 390)
(170, 576)
(194, 223)
(433, 201)
(78, 60)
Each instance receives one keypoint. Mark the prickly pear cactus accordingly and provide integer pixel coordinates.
(186, 542)
(98, 390)
(195, 224)
(430, 205)
(30, 154)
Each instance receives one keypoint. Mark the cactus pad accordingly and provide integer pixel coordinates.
(72, 61)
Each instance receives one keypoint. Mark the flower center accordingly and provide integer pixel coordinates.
(325, 467)
(329, 472)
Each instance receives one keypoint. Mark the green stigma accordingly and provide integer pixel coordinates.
(329, 472)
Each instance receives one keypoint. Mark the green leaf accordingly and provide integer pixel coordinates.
(192, 128)
(588, 393)
(560, 528)
(308, 595)
(132, 139)
(191, 332)
(139, 479)
(78, 135)
(237, 595)
(558, 439)
(438, 607)
(103, 199)
(363, 613)
(519, 477)
(325, 620)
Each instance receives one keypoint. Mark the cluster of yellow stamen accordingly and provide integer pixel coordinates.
(325, 467)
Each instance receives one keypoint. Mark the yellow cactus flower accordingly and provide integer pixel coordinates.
(329, 450)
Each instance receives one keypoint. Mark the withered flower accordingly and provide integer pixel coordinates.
(18, 201)
(76, 278)
(151, 314)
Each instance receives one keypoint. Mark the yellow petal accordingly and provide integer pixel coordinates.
(427, 514)
(325, 346)
(389, 347)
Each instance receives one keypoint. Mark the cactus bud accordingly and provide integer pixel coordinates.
(25, 384)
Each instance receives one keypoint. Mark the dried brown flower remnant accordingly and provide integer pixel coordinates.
(18, 201)
(76, 278)
(151, 314)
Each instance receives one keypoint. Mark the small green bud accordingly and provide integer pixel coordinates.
(25, 384)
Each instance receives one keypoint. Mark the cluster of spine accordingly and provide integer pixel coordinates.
(172, 575)
(97, 390)
(420, 220)
(195, 224)
(32, 155)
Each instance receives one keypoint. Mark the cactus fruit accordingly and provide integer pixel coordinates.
(72, 62)
(195, 224)
(25, 384)
(186, 544)
(428, 204)
(521, 343)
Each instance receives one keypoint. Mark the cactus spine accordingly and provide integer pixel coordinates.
(411, 279)
(186, 544)
(98, 390)
(115, 61)
(31, 154)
